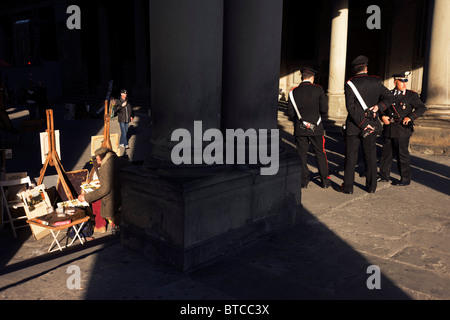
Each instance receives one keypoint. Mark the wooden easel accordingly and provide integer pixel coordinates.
(107, 120)
(106, 133)
(53, 159)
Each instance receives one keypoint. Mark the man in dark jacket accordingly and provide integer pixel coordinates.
(397, 130)
(307, 105)
(125, 115)
(365, 96)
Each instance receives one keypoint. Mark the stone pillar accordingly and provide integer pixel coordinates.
(432, 134)
(186, 68)
(188, 214)
(438, 77)
(252, 53)
(251, 71)
(338, 52)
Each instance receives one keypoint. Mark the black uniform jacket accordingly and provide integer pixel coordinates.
(407, 104)
(373, 93)
(311, 102)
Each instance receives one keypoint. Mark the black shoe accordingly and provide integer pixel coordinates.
(402, 183)
(370, 191)
(326, 184)
(381, 179)
(341, 189)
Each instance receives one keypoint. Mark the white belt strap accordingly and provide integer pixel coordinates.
(291, 96)
(360, 99)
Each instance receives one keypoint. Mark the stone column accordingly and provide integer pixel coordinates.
(251, 72)
(431, 133)
(188, 214)
(252, 53)
(338, 52)
(438, 79)
(186, 68)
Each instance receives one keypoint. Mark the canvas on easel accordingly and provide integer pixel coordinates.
(45, 148)
(76, 178)
(35, 203)
(97, 142)
(52, 159)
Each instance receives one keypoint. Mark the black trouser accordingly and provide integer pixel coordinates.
(399, 148)
(318, 145)
(351, 158)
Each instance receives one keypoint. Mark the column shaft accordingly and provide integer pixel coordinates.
(432, 134)
(252, 50)
(438, 80)
(338, 53)
(186, 68)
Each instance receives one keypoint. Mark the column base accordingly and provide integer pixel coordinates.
(337, 113)
(336, 107)
(187, 221)
(432, 131)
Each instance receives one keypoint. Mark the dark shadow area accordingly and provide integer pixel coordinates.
(75, 253)
(431, 174)
(5, 269)
(9, 245)
(139, 134)
(307, 261)
(132, 131)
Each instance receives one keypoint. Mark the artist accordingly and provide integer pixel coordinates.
(110, 187)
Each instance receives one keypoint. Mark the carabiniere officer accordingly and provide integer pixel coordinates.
(398, 128)
(311, 103)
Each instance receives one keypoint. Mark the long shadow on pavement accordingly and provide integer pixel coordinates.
(306, 261)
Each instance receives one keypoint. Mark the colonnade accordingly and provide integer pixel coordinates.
(436, 81)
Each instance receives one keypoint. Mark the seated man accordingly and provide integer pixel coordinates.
(110, 186)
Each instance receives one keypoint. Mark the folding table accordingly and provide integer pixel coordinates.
(76, 224)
